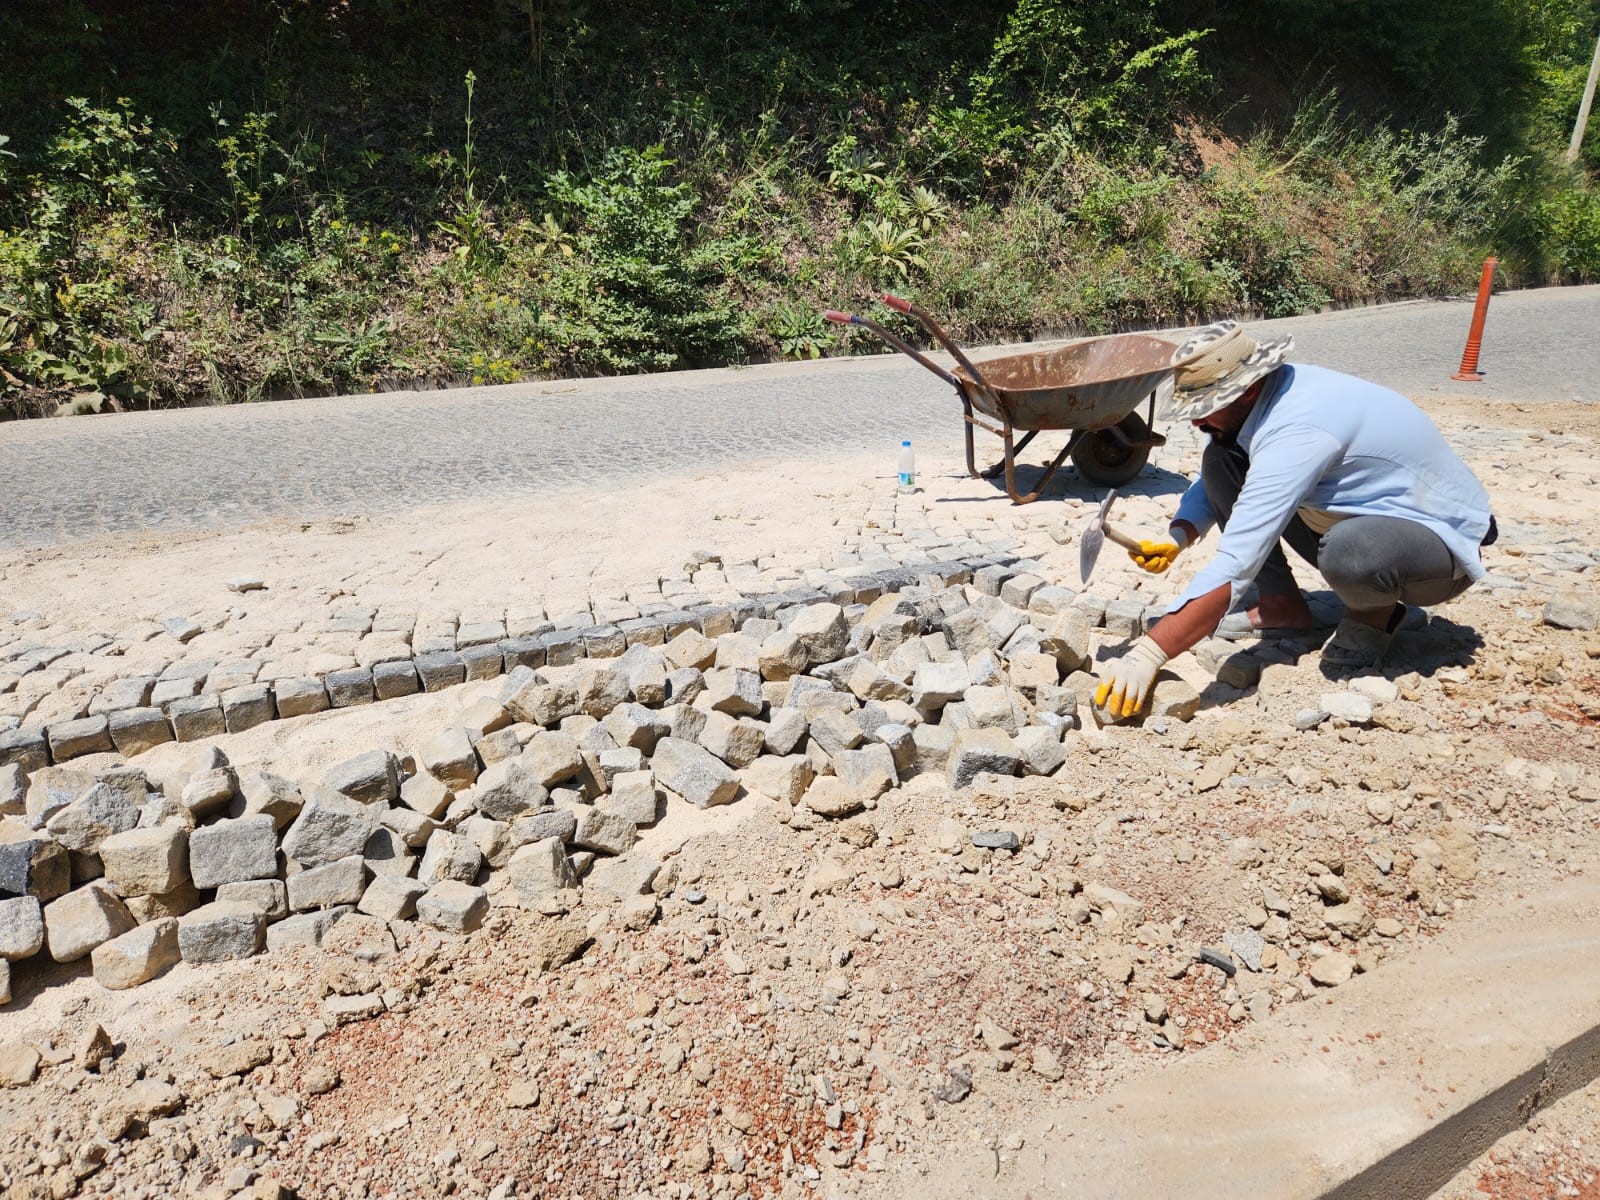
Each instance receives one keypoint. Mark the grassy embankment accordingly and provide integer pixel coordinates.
(277, 197)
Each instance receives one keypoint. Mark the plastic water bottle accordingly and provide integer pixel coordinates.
(908, 468)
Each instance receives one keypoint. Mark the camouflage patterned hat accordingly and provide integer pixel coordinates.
(1216, 366)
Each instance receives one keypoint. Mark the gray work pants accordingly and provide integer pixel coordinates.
(1370, 562)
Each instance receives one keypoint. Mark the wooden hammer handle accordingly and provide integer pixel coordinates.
(1120, 538)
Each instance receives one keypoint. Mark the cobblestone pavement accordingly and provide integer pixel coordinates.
(61, 481)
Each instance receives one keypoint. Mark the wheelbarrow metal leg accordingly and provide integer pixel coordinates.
(995, 468)
(1049, 472)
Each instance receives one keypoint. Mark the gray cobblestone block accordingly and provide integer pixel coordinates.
(643, 631)
(246, 707)
(735, 741)
(373, 777)
(391, 898)
(989, 580)
(454, 907)
(135, 730)
(540, 702)
(694, 773)
(339, 882)
(480, 633)
(232, 851)
(869, 771)
(208, 792)
(785, 731)
(221, 931)
(676, 620)
(684, 684)
(449, 856)
(13, 791)
(522, 652)
(949, 574)
(508, 789)
(142, 862)
(482, 662)
(540, 868)
(558, 823)
(271, 896)
(25, 747)
(687, 723)
(331, 826)
(563, 647)
(603, 641)
(166, 691)
(82, 919)
(182, 628)
(298, 697)
(304, 929)
(1040, 750)
(391, 680)
(95, 815)
(72, 739)
(349, 688)
(834, 731)
(553, 757)
(864, 588)
(50, 789)
(618, 760)
(1125, 618)
(231, 675)
(605, 832)
(1019, 589)
(450, 757)
(386, 851)
(498, 746)
(978, 750)
(21, 928)
(1091, 606)
(716, 619)
(34, 866)
(136, 956)
(636, 726)
(635, 797)
(425, 795)
(440, 670)
(599, 689)
(196, 718)
(132, 692)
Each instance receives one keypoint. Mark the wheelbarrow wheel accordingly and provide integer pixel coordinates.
(1103, 458)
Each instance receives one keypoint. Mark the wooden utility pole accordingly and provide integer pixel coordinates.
(1583, 107)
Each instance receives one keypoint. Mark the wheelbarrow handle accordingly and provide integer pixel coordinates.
(844, 318)
(905, 306)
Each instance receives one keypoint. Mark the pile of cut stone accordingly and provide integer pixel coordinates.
(821, 709)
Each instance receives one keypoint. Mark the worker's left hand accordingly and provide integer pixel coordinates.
(1126, 681)
(1155, 557)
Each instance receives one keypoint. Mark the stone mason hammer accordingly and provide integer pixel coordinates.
(1095, 535)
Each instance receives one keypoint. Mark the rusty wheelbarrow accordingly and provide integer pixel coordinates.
(1091, 388)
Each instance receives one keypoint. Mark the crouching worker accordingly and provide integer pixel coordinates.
(1355, 478)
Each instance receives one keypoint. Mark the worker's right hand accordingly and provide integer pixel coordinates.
(1155, 557)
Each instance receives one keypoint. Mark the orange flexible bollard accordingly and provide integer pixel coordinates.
(1469, 372)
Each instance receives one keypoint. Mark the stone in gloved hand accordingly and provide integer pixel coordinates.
(1125, 682)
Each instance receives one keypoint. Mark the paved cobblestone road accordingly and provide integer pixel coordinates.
(223, 467)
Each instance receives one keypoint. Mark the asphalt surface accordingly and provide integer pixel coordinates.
(89, 477)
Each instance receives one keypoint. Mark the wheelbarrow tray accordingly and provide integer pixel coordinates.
(1092, 384)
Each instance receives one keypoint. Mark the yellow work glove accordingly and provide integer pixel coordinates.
(1155, 557)
(1126, 681)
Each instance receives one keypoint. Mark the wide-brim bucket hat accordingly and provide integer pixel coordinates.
(1216, 366)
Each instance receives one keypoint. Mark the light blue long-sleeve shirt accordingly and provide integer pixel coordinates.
(1323, 440)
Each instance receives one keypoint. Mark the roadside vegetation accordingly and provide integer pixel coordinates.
(230, 202)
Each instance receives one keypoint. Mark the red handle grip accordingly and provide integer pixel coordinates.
(899, 305)
(837, 317)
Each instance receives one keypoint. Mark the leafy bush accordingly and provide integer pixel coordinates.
(638, 292)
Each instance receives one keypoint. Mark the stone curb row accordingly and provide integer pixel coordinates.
(133, 730)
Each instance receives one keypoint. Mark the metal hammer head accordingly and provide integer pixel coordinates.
(1094, 537)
